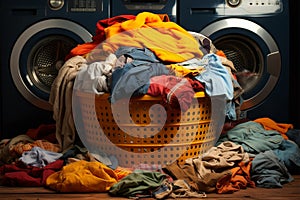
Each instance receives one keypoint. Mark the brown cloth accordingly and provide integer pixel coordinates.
(203, 173)
(61, 99)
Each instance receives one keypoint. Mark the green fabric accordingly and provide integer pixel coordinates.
(138, 182)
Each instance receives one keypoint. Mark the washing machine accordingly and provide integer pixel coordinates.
(133, 7)
(36, 36)
(254, 35)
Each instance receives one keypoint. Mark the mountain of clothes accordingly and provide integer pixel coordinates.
(148, 54)
(143, 54)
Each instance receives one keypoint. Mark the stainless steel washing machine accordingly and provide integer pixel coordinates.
(254, 35)
(36, 37)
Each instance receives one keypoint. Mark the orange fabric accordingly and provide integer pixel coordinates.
(169, 41)
(269, 124)
(142, 20)
(100, 35)
(239, 179)
(122, 172)
(82, 176)
(221, 53)
(47, 145)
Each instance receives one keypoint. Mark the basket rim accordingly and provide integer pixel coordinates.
(80, 93)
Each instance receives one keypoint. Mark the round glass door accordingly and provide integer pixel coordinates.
(39, 53)
(254, 53)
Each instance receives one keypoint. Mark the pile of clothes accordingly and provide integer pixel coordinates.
(143, 54)
(148, 54)
(249, 153)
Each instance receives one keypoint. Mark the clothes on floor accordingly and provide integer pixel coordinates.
(270, 124)
(139, 183)
(39, 157)
(203, 173)
(268, 171)
(82, 176)
(253, 137)
(20, 175)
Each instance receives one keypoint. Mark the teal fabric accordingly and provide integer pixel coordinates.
(139, 182)
(253, 137)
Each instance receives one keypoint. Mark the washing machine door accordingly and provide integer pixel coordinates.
(39, 53)
(254, 53)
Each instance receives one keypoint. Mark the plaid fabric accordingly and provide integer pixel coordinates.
(21, 147)
(47, 145)
(149, 167)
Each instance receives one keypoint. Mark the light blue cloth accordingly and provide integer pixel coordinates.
(217, 81)
(39, 157)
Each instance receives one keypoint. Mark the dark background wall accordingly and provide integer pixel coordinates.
(295, 62)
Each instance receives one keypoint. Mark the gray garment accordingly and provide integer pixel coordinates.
(268, 172)
(95, 77)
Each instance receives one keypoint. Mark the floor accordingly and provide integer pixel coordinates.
(289, 191)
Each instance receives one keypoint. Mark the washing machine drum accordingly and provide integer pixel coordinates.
(45, 60)
(246, 57)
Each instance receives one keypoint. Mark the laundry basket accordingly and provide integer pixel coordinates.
(149, 132)
(139, 137)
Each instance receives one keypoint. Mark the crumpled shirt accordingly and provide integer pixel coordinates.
(83, 176)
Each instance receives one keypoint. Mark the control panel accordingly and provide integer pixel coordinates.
(77, 5)
(145, 4)
(250, 7)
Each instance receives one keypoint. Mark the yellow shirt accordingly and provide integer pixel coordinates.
(82, 176)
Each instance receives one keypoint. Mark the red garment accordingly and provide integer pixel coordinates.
(43, 132)
(28, 176)
(102, 24)
(99, 37)
(196, 85)
(175, 91)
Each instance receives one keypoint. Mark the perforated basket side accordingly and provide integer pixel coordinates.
(182, 136)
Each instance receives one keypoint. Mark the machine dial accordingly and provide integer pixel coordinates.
(233, 3)
(56, 4)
